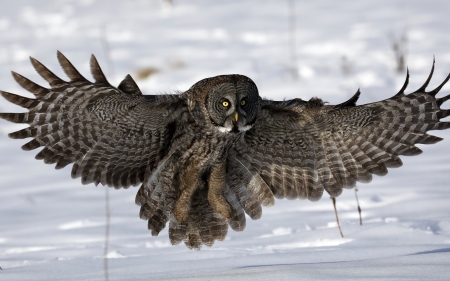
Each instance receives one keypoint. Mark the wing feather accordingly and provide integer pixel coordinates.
(301, 148)
(69, 69)
(45, 73)
(97, 72)
(113, 137)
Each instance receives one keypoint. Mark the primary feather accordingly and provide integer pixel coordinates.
(302, 148)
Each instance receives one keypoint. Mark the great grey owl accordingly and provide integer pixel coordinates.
(210, 155)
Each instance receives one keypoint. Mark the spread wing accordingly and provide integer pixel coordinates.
(297, 149)
(114, 136)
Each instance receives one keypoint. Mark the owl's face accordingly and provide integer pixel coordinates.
(233, 104)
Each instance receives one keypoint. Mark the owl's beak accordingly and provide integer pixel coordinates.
(236, 116)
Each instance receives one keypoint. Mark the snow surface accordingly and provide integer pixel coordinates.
(52, 227)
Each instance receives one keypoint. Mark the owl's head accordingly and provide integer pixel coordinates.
(229, 103)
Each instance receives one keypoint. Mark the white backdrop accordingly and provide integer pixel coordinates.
(52, 227)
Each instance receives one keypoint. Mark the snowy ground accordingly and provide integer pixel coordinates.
(52, 227)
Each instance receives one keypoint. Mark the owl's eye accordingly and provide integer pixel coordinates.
(243, 102)
(225, 103)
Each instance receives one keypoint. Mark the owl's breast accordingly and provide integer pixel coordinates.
(204, 147)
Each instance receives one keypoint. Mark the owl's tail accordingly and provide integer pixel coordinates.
(203, 225)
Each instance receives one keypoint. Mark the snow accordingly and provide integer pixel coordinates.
(52, 227)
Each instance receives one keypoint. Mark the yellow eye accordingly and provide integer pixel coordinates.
(225, 103)
(242, 102)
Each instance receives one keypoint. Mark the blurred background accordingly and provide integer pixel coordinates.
(291, 49)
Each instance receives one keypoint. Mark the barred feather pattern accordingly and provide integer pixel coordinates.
(161, 191)
(118, 137)
(302, 148)
(198, 178)
(112, 137)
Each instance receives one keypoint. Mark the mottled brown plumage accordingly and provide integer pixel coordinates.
(206, 157)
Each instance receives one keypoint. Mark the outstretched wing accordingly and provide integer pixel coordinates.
(301, 148)
(115, 136)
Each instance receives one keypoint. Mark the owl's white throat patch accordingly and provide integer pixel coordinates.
(245, 128)
(224, 130)
(241, 129)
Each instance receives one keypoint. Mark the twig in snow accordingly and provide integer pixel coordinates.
(346, 65)
(359, 208)
(292, 45)
(399, 46)
(105, 252)
(107, 51)
(337, 218)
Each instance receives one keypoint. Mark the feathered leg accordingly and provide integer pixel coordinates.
(216, 185)
(189, 184)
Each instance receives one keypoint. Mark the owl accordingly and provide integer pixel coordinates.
(206, 157)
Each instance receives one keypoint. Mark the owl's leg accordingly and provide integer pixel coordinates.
(216, 185)
(188, 184)
(337, 218)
